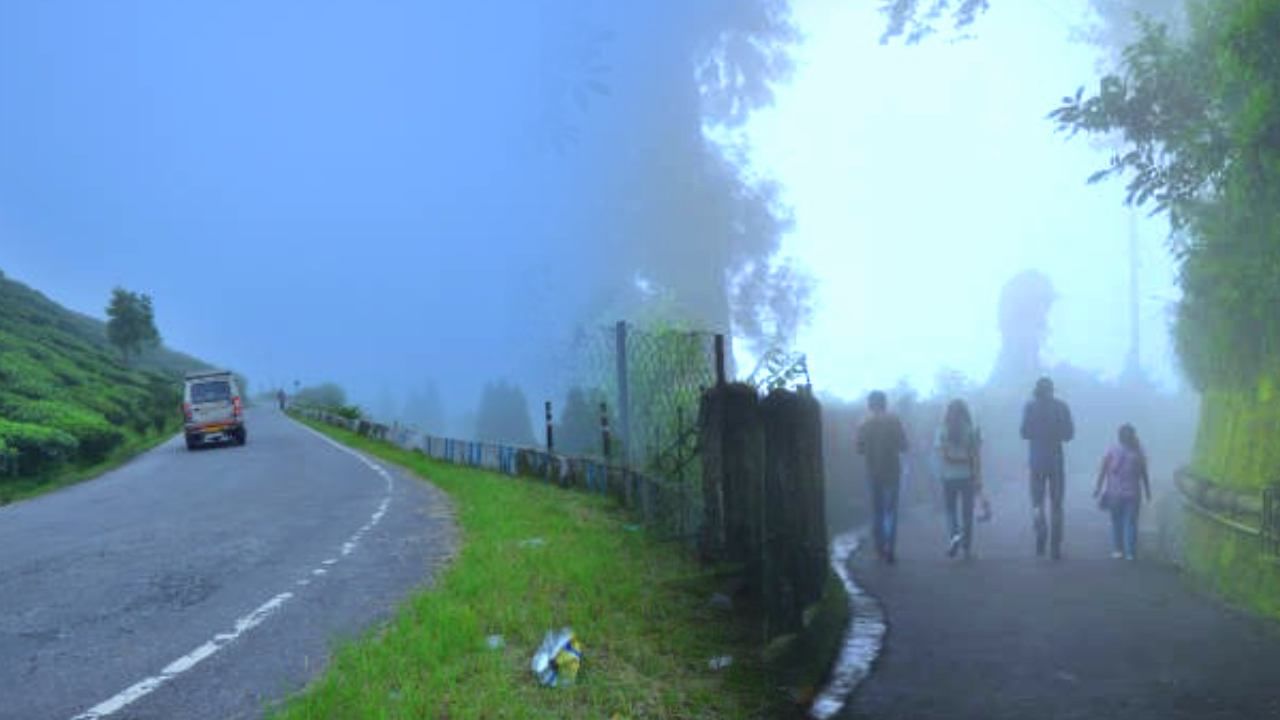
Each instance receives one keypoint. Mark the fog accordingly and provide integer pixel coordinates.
(419, 200)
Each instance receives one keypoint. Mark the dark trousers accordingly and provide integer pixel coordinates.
(958, 497)
(1052, 482)
(884, 514)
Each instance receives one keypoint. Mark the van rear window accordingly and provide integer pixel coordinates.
(213, 391)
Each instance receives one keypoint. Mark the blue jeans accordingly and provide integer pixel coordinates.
(960, 520)
(1124, 524)
(884, 514)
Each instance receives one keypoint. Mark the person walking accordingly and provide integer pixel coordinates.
(958, 444)
(881, 440)
(1122, 480)
(1046, 425)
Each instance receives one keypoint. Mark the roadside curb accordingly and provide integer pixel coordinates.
(864, 636)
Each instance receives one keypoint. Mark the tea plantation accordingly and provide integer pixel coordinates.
(67, 401)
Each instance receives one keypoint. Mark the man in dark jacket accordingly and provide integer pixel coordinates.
(881, 440)
(1046, 425)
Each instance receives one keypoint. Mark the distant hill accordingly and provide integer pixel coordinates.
(66, 398)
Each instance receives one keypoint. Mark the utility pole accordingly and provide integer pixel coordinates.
(1133, 364)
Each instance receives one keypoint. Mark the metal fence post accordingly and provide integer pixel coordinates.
(551, 445)
(624, 391)
(604, 431)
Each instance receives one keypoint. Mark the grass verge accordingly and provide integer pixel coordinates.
(18, 489)
(638, 606)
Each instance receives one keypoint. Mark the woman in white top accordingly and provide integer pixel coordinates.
(959, 445)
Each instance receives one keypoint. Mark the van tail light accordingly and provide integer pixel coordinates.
(236, 408)
(186, 411)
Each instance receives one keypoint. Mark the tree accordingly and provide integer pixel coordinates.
(325, 395)
(131, 323)
(915, 20)
(503, 415)
(424, 410)
(578, 432)
(1200, 123)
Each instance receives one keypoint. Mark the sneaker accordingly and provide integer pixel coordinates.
(954, 546)
(1116, 555)
(1130, 558)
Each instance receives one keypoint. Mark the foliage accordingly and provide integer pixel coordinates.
(131, 324)
(324, 395)
(503, 415)
(915, 20)
(39, 447)
(579, 431)
(1200, 119)
(66, 401)
(350, 412)
(1228, 446)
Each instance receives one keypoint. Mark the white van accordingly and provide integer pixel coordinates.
(212, 409)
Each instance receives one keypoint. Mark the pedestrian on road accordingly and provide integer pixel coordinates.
(958, 444)
(881, 440)
(1122, 479)
(1046, 425)
(280, 398)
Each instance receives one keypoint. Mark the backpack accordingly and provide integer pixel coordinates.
(961, 452)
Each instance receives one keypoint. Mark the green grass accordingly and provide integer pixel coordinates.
(639, 607)
(26, 488)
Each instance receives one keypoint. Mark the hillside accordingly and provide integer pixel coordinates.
(66, 400)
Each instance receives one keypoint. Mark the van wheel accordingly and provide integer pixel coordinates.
(191, 443)
(241, 437)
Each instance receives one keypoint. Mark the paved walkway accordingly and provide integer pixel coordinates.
(1008, 635)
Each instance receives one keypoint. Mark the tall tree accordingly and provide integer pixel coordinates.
(131, 323)
(1199, 118)
(503, 415)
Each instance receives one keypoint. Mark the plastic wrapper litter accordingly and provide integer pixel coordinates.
(558, 659)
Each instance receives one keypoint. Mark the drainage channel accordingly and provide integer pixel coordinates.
(863, 638)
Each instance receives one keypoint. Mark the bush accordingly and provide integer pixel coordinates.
(350, 412)
(95, 437)
(40, 449)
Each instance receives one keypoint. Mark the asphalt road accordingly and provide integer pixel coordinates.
(205, 584)
(1008, 635)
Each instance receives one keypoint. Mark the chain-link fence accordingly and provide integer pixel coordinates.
(652, 380)
(642, 388)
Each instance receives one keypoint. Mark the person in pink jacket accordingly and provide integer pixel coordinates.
(1122, 480)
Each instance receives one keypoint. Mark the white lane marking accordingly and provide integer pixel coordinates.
(244, 624)
(184, 663)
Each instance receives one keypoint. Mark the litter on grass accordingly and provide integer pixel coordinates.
(558, 659)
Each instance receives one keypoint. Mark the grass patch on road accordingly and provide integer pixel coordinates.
(638, 606)
(25, 488)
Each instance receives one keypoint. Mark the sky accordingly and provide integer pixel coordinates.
(386, 194)
(923, 177)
